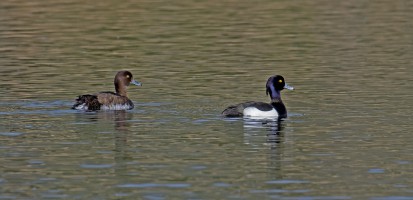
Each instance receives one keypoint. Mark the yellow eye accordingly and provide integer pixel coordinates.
(280, 81)
(127, 76)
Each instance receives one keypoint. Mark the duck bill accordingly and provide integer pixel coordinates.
(136, 83)
(288, 87)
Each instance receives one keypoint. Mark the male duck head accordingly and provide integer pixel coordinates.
(275, 108)
(274, 86)
(109, 100)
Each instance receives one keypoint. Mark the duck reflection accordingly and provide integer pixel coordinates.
(273, 128)
(104, 122)
(118, 123)
(274, 139)
(119, 117)
(275, 134)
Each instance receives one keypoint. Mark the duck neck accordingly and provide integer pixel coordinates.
(278, 105)
(120, 89)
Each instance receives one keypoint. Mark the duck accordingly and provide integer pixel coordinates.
(274, 109)
(109, 100)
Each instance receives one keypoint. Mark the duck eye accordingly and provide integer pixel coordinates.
(280, 81)
(127, 76)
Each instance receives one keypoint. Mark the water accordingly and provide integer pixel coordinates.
(348, 135)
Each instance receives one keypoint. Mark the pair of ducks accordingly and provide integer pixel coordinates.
(119, 100)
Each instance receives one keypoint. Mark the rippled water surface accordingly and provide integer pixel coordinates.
(348, 134)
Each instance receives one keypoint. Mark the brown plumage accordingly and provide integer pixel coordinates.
(109, 100)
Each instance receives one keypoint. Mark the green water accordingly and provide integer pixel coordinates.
(348, 135)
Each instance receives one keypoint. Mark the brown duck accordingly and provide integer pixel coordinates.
(109, 100)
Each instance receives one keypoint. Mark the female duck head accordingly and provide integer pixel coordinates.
(122, 80)
(275, 84)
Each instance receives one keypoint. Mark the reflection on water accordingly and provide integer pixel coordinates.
(121, 121)
(119, 118)
(273, 127)
(349, 139)
(274, 140)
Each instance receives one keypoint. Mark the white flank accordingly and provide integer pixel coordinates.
(81, 107)
(254, 112)
(116, 107)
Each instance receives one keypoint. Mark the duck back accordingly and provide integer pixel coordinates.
(103, 101)
(238, 110)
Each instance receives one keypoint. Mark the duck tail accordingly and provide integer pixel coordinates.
(232, 111)
(87, 102)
